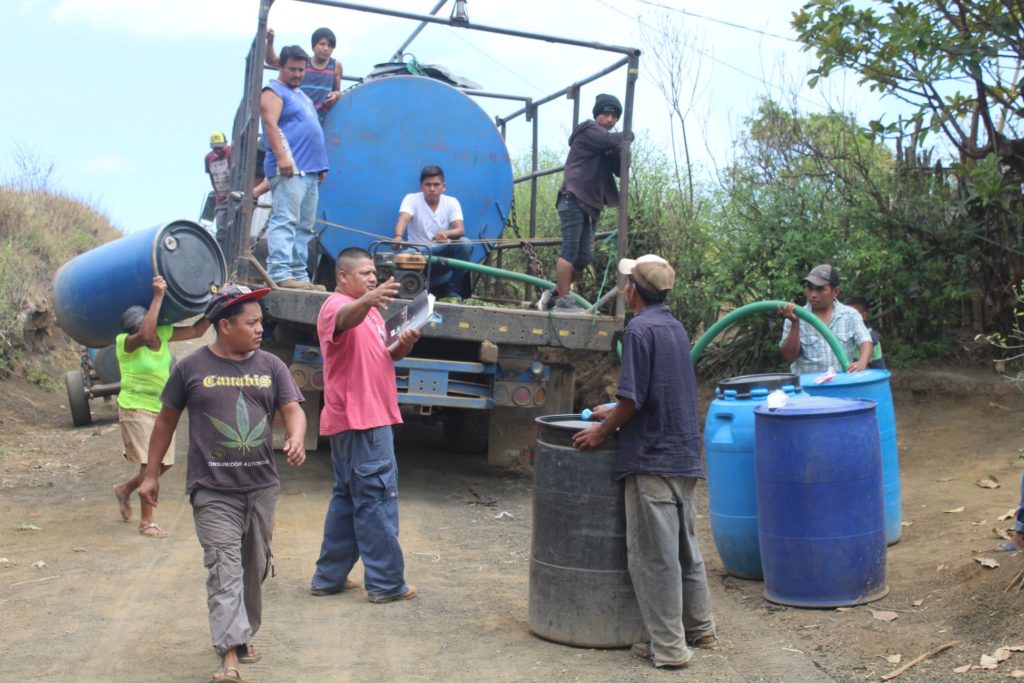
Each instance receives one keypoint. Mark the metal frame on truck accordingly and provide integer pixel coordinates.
(477, 358)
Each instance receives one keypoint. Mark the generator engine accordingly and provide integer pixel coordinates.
(408, 269)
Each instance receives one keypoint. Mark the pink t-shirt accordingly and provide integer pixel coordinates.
(359, 375)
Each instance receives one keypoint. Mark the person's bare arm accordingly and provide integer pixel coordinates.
(270, 111)
(401, 224)
(272, 59)
(406, 341)
(865, 350)
(159, 442)
(454, 232)
(294, 432)
(790, 348)
(594, 435)
(146, 333)
(353, 313)
(193, 331)
(335, 93)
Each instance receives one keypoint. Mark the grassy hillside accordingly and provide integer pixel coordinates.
(39, 231)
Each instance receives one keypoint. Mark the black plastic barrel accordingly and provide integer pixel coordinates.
(580, 591)
(820, 511)
(92, 290)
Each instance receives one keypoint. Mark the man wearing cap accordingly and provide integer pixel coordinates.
(804, 348)
(218, 167)
(588, 186)
(295, 164)
(659, 463)
(360, 408)
(231, 390)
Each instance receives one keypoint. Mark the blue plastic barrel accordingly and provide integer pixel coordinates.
(874, 385)
(382, 132)
(92, 290)
(820, 512)
(729, 447)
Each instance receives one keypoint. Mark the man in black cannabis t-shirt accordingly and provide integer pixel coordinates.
(231, 390)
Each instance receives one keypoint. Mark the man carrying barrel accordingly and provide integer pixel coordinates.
(659, 461)
(804, 347)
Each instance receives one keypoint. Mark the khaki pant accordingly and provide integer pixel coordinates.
(136, 428)
(665, 564)
(235, 530)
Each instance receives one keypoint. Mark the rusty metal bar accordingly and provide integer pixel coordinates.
(622, 243)
(426, 18)
(574, 86)
(539, 174)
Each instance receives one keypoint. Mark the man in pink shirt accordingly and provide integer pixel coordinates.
(360, 405)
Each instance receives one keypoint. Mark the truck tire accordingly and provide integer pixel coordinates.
(78, 401)
(466, 431)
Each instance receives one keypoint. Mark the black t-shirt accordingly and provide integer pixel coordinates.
(231, 406)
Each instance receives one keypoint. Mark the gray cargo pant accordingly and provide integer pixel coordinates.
(235, 531)
(665, 564)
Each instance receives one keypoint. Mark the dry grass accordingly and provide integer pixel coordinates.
(39, 231)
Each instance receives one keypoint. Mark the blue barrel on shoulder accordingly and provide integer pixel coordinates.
(92, 290)
(729, 447)
(871, 384)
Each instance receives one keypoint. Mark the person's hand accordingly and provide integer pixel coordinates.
(590, 438)
(295, 450)
(382, 294)
(409, 337)
(441, 236)
(321, 177)
(270, 35)
(789, 311)
(331, 98)
(149, 490)
(601, 412)
(286, 168)
(858, 365)
(159, 287)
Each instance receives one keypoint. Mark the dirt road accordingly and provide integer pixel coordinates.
(112, 605)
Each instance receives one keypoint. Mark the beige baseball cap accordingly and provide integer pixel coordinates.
(650, 271)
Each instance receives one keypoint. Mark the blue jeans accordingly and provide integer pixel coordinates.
(291, 226)
(444, 280)
(362, 518)
(577, 232)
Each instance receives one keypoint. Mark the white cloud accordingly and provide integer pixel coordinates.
(108, 163)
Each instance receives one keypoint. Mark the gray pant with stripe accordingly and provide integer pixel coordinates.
(235, 531)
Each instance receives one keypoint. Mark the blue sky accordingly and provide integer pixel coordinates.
(122, 95)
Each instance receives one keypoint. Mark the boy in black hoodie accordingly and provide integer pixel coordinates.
(588, 187)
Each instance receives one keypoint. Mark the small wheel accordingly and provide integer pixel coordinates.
(78, 402)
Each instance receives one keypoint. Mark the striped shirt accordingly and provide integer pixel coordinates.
(815, 353)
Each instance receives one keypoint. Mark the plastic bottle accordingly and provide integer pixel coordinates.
(587, 412)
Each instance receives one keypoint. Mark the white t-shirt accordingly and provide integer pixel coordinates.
(426, 223)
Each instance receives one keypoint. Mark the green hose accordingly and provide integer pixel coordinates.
(764, 307)
(499, 272)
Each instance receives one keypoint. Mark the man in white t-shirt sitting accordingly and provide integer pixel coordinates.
(434, 218)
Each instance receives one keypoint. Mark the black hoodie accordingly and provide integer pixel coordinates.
(593, 159)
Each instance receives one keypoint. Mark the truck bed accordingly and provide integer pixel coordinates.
(472, 323)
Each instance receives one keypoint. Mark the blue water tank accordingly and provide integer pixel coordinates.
(820, 514)
(382, 132)
(872, 384)
(92, 290)
(729, 447)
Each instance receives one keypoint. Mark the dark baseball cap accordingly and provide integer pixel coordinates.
(823, 275)
(232, 294)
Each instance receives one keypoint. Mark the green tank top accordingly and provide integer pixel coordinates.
(144, 372)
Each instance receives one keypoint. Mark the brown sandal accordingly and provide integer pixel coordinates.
(229, 674)
(152, 530)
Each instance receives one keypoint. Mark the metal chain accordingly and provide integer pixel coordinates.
(534, 266)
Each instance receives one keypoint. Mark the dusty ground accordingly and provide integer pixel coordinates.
(111, 605)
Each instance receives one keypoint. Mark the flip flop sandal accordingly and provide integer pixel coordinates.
(153, 530)
(228, 675)
(247, 654)
(1006, 547)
